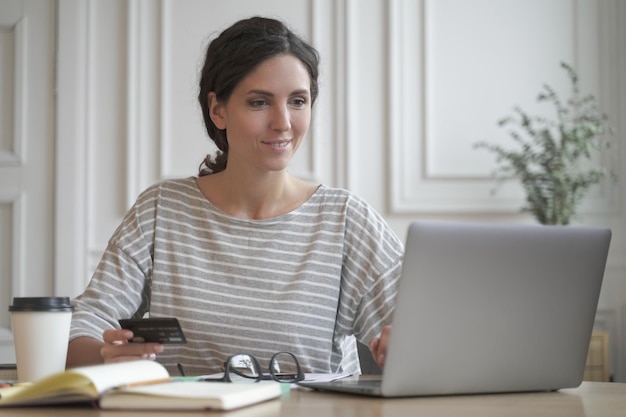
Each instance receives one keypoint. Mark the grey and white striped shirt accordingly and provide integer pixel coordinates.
(305, 282)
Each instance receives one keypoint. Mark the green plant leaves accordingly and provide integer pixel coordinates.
(551, 154)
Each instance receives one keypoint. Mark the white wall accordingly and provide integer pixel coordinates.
(407, 87)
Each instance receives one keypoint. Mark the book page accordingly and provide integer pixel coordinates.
(192, 395)
(105, 377)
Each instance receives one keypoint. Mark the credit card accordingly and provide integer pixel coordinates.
(165, 330)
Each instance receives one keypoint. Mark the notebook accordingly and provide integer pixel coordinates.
(488, 308)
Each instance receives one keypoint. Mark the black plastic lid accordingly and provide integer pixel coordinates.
(41, 304)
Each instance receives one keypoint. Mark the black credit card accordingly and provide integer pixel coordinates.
(155, 330)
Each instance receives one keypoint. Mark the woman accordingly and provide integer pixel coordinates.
(248, 257)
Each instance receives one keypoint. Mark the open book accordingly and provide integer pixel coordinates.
(139, 384)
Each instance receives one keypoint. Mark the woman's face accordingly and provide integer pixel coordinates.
(267, 115)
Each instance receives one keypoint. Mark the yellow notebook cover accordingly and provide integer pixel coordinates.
(86, 383)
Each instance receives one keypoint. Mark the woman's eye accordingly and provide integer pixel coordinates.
(299, 102)
(257, 103)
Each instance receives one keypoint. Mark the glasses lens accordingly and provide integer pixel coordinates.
(284, 367)
(243, 367)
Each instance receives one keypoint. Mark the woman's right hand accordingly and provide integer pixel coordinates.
(378, 347)
(118, 348)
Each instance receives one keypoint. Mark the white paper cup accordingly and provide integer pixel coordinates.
(41, 329)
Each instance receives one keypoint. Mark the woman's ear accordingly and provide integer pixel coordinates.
(216, 111)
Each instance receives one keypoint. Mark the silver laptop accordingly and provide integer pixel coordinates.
(490, 308)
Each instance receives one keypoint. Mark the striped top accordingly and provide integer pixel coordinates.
(308, 281)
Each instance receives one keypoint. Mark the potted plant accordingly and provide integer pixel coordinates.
(553, 158)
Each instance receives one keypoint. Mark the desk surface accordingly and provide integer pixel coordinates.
(591, 399)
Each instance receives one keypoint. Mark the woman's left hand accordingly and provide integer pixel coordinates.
(378, 347)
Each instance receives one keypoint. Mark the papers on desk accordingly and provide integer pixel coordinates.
(320, 378)
(309, 377)
(324, 377)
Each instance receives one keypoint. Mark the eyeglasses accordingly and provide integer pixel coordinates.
(283, 367)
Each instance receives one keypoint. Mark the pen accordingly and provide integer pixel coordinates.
(181, 369)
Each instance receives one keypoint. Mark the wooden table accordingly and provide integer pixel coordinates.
(591, 399)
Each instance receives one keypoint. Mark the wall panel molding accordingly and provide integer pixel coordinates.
(14, 38)
(72, 138)
(165, 169)
(144, 97)
(133, 96)
(438, 172)
(13, 258)
(27, 31)
(328, 161)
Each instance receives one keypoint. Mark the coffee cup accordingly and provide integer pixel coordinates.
(41, 328)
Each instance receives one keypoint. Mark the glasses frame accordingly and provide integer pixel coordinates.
(260, 376)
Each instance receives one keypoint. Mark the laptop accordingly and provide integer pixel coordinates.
(489, 308)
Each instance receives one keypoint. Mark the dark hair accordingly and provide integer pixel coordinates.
(234, 54)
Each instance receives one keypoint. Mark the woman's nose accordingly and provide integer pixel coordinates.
(281, 118)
